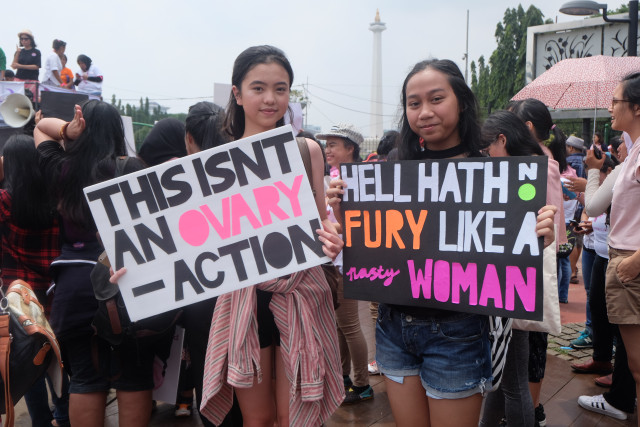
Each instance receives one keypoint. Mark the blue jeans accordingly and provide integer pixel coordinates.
(37, 400)
(588, 256)
(451, 353)
(564, 275)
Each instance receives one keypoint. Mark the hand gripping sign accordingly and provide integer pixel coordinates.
(448, 234)
(209, 223)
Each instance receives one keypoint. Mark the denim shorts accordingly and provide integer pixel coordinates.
(94, 366)
(452, 353)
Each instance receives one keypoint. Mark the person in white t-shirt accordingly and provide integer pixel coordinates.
(53, 66)
(90, 80)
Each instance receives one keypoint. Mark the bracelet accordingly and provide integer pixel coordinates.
(63, 132)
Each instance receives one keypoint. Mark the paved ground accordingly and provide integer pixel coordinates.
(560, 389)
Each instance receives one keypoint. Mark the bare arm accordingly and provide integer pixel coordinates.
(328, 235)
(51, 129)
(18, 66)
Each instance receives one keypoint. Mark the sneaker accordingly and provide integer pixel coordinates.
(373, 368)
(352, 396)
(599, 405)
(183, 410)
(540, 417)
(583, 341)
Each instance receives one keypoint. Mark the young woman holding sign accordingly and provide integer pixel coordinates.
(437, 375)
(295, 317)
(73, 156)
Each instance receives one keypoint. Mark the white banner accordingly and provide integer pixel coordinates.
(210, 223)
(7, 88)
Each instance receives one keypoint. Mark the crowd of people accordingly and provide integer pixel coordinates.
(27, 61)
(437, 364)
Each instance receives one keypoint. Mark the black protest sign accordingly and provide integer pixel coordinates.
(448, 234)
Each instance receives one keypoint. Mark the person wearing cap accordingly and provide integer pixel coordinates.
(27, 58)
(575, 158)
(53, 65)
(343, 146)
(575, 155)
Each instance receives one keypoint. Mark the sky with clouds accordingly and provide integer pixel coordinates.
(174, 51)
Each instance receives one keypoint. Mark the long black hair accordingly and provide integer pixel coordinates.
(204, 123)
(23, 180)
(534, 111)
(468, 127)
(249, 58)
(520, 142)
(90, 158)
(85, 60)
(164, 142)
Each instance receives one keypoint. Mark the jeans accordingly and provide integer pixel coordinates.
(450, 353)
(564, 275)
(37, 401)
(512, 399)
(588, 257)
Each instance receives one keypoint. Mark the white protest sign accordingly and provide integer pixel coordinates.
(210, 223)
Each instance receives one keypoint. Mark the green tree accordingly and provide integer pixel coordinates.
(142, 117)
(495, 83)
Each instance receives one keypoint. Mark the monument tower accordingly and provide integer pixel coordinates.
(377, 27)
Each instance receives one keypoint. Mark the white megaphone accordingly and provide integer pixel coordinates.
(16, 110)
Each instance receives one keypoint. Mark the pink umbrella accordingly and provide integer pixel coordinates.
(580, 83)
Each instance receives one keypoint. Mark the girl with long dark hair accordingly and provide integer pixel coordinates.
(261, 79)
(438, 377)
(74, 155)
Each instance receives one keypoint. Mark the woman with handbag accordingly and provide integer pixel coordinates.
(503, 135)
(30, 242)
(537, 118)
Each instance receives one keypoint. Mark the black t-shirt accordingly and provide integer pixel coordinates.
(29, 57)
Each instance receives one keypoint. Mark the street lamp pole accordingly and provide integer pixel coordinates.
(633, 29)
(591, 8)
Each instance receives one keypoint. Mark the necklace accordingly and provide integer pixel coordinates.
(443, 154)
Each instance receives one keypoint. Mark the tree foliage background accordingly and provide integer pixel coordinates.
(494, 83)
(143, 116)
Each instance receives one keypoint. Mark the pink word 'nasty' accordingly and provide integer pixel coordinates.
(375, 273)
(445, 281)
